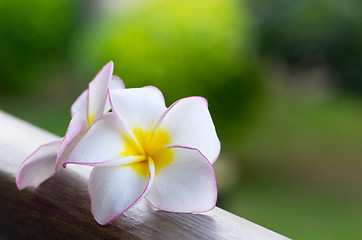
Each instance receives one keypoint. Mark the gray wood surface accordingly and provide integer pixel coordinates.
(59, 208)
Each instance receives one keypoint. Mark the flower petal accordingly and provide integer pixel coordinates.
(97, 92)
(102, 143)
(39, 166)
(113, 190)
(80, 105)
(116, 83)
(189, 123)
(186, 185)
(76, 130)
(138, 107)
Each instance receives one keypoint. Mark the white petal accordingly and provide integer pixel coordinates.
(39, 166)
(113, 190)
(97, 92)
(138, 107)
(189, 123)
(116, 83)
(80, 105)
(186, 185)
(76, 130)
(102, 142)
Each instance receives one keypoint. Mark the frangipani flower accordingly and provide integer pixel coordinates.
(143, 149)
(91, 105)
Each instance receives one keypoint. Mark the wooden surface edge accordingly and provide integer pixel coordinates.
(60, 207)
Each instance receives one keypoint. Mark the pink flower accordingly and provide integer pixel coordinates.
(145, 150)
(90, 106)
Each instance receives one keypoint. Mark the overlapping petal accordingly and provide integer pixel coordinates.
(113, 190)
(97, 92)
(102, 143)
(91, 105)
(80, 105)
(138, 107)
(39, 166)
(116, 83)
(189, 123)
(186, 185)
(76, 129)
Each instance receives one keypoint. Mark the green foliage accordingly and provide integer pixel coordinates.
(184, 48)
(314, 32)
(34, 35)
(296, 213)
(299, 167)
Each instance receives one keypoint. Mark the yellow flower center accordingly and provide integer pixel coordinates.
(149, 145)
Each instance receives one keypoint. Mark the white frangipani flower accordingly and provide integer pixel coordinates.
(143, 149)
(90, 105)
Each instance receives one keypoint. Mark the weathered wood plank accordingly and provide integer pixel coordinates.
(60, 206)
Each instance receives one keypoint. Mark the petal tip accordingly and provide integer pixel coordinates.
(109, 65)
(18, 182)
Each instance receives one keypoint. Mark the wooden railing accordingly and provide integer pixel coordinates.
(59, 208)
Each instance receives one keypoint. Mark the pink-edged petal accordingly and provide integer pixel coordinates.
(186, 185)
(138, 107)
(76, 130)
(102, 142)
(97, 92)
(113, 190)
(39, 166)
(80, 105)
(116, 83)
(189, 123)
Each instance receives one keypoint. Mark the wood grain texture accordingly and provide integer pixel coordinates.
(59, 208)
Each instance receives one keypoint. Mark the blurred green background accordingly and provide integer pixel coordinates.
(283, 79)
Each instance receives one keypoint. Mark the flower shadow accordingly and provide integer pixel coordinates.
(157, 224)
